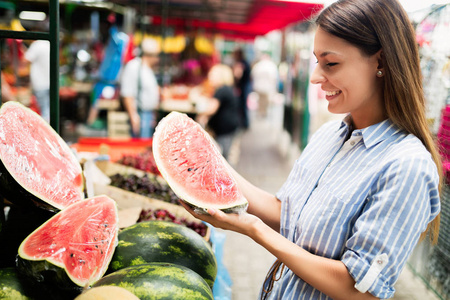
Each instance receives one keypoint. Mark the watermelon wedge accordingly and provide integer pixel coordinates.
(193, 167)
(36, 165)
(73, 248)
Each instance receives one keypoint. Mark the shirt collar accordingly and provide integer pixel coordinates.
(373, 134)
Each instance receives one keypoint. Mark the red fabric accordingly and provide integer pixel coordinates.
(444, 140)
(129, 50)
(265, 16)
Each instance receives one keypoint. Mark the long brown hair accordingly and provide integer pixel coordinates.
(384, 24)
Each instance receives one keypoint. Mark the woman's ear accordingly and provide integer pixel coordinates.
(380, 59)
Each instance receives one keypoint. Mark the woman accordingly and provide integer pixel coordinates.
(221, 112)
(365, 189)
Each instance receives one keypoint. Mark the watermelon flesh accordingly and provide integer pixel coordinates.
(80, 239)
(37, 158)
(193, 167)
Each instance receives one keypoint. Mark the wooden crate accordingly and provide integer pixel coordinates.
(131, 204)
(118, 124)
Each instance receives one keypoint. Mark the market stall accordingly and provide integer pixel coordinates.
(118, 167)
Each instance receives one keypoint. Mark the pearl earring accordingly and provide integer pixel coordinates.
(380, 73)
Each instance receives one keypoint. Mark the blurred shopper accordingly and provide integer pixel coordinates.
(38, 54)
(220, 114)
(264, 75)
(241, 72)
(7, 93)
(140, 90)
(365, 189)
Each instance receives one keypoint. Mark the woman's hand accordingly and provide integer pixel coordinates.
(243, 223)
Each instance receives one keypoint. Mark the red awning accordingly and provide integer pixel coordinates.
(263, 17)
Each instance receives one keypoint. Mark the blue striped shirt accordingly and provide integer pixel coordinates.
(363, 200)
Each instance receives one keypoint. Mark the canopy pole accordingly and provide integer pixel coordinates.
(54, 63)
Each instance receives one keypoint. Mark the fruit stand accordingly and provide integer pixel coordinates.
(73, 243)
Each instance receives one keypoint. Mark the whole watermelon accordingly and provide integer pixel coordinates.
(161, 241)
(11, 286)
(160, 281)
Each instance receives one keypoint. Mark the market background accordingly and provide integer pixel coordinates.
(191, 33)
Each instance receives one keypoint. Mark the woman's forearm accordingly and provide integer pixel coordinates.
(261, 203)
(327, 275)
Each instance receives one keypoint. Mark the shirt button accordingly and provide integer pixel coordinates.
(352, 143)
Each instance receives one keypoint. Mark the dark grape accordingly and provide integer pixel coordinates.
(165, 215)
(144, 161)
(145, 186)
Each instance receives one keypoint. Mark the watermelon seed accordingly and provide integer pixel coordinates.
(96, 246)
(71, 254)
(189, 169)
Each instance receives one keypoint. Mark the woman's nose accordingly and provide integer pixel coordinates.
(316, 76)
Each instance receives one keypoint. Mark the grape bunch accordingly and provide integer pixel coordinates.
(165, 215)
(146, 185)
(144, 161)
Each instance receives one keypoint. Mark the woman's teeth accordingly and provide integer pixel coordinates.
(332, 93)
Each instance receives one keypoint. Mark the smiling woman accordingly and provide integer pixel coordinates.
(366, 188)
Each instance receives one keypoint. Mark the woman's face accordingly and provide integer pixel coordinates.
(349, 79)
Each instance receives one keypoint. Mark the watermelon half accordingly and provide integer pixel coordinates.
(192, 165)
(35, 163)
(73, 248)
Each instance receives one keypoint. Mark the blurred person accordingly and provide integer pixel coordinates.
(38, 55)
(366, 188)
(264, 75)
(7, 93)
(220, 113)
(140, 89)
(241, 72)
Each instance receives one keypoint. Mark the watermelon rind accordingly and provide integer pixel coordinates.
(11, 286)
(47, 280)
(49, 269)
(19, 189)
(21, 222)
(237, 206)
(162, 241)
(107, 292)
(160, 281)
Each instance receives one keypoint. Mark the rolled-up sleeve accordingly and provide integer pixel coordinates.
(402, 201)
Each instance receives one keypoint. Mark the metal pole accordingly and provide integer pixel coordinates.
(164, 24)
(54, 63)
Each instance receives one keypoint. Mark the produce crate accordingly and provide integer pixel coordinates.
(131, 204)
(110, 168)
(118, 124)
(113, 147)
(108, 104)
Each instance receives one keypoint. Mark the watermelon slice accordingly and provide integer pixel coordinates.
(192, 165)
(35, 163)
(74, 247)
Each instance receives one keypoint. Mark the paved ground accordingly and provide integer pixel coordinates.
(264, 156)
